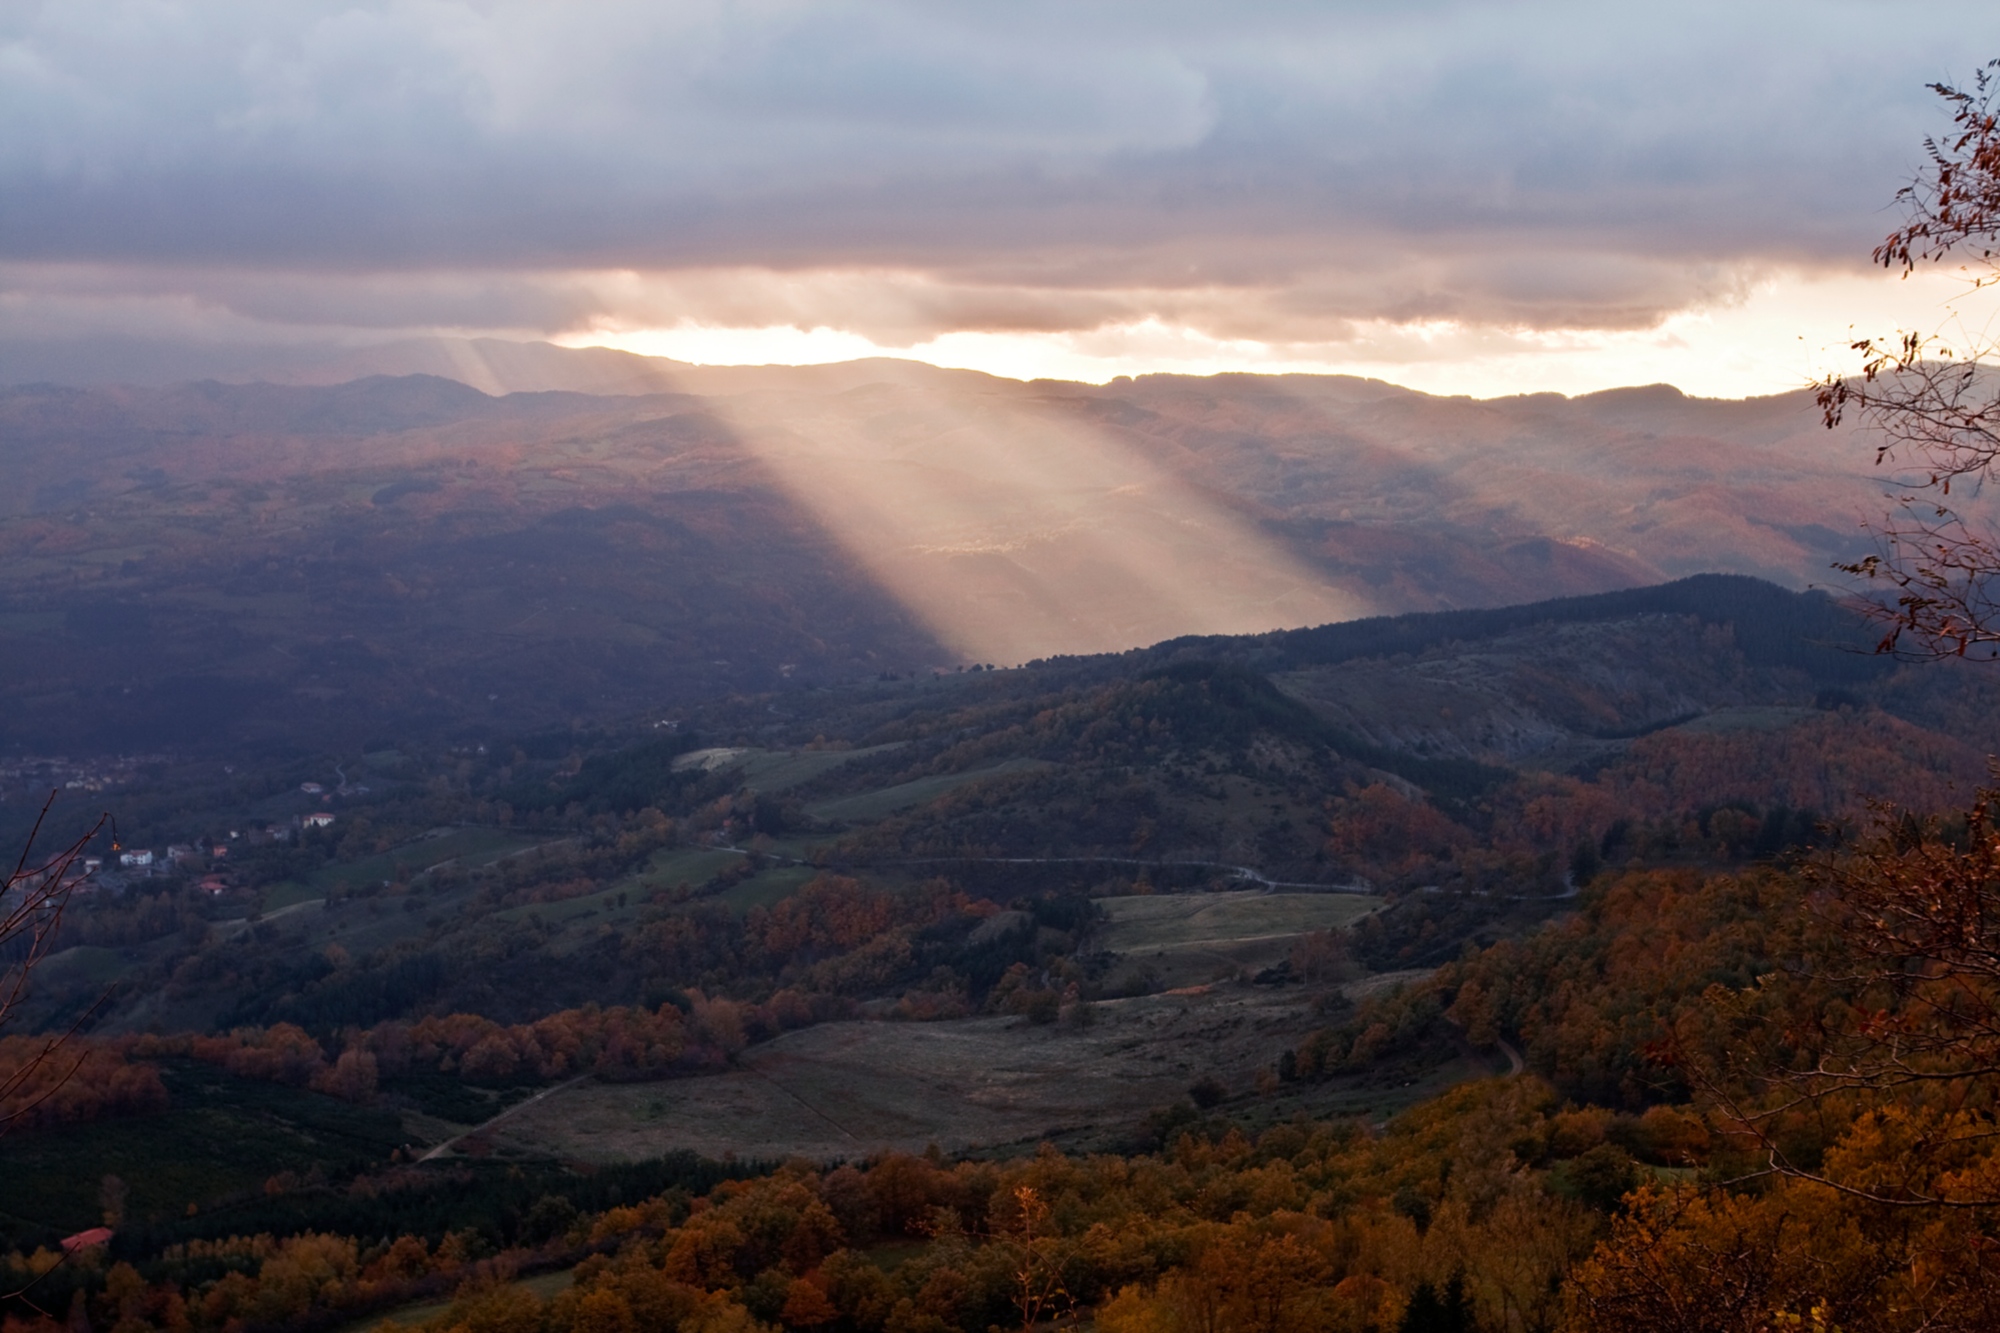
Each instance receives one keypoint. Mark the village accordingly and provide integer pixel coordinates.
(111, 867)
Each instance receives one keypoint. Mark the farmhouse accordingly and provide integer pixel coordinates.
(317, 819)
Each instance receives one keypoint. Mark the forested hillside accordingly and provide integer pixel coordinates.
(1413, 970)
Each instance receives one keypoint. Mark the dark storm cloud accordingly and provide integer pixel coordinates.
(1022, 165)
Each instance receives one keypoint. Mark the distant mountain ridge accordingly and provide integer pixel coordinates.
(305, 547)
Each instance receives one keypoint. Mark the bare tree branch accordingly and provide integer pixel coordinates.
(32, 905)
(1935, 408)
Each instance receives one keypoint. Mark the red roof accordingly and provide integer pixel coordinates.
(84, 1240)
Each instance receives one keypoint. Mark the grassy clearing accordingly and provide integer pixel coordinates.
(1189, 939)
(1747, 719)
(1181, 920)
(766, 887)
(682, 865)
(470, 846)
(85, 963)
(289, 893)
(888, 800)
(850, 1089)
(781, 770)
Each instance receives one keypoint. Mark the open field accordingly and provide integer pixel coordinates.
(1186, 939)
(682, 865)
(468, 846)
(766, 887)
(290, 893)
(84, 962)
(1178, 920)
(888, 800)
(774, 771)
(1747, 718)
(849, 1090)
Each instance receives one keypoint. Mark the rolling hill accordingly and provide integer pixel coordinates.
(229, 565)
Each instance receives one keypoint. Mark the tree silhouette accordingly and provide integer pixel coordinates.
(1934, 406)
(32, 905)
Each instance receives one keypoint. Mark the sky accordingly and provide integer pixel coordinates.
(1478, 198)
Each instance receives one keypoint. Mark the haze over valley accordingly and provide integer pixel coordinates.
(203, 563)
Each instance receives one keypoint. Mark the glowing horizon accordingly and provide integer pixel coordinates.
(1786, 332)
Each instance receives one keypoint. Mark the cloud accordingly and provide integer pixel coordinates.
(1284, 172)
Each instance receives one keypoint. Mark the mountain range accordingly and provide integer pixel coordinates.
(522, 534)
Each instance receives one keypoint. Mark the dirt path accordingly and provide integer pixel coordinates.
(441, 1149)
(1515, 1064)
(807, 1106)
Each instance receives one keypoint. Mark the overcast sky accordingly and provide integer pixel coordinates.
(1483, 196)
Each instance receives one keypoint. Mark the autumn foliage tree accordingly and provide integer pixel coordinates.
(1934, 406)
(1855, 1088)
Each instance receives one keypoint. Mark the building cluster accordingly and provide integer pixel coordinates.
(204, 859)
(32, 777)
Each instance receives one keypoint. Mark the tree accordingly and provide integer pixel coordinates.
(1036, 1257)
(1893, 1017)
(32, 905)
(1858, 1083)
(1935, 407)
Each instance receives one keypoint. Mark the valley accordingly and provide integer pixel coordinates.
(215, 568)
(1357, 892)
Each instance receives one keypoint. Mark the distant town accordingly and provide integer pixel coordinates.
(203, 860)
